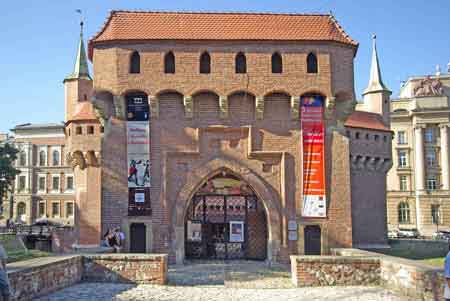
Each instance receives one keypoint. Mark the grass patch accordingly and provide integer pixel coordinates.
(25, 255)
(437, 262)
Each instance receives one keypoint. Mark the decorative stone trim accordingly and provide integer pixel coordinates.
(188, 106)
(295, 107)
(259, 107)
(153, 102)
(223, 106)
(360, 162)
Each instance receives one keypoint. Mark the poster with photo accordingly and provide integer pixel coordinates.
(236, 231)
(139, 201)
(138, 170)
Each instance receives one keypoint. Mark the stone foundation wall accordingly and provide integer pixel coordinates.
(30, 279)
(409, 277)
(334, 270)
(37, 277)
(126, 268)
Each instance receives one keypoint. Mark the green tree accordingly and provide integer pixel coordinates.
(8, 154)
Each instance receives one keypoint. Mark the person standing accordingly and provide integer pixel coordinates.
(447, 276)
(5, 288)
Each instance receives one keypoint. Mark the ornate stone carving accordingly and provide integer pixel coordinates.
(99, 110)
(223, 106)
(188, 106)
(295, 107)
(428, 87)
(76, 159)
(259, 107)
(153, 102)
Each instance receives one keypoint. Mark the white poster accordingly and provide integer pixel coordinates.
(314, 206)
(236, 231)
(194, 231)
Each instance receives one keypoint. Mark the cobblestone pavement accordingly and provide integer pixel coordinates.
(219, 281)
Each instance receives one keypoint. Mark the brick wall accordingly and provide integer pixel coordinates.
(33, 278)
(409, 277)
(30, 280)
(63, 239)
(125, 268)
(185, 151)
(334, 270)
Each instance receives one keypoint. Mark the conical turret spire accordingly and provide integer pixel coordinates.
(81, 68)
(375, 82)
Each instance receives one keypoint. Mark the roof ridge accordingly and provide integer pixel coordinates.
(217, 12)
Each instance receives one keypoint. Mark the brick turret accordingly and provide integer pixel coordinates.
(83, 138)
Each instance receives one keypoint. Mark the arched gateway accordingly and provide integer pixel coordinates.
(225, 220)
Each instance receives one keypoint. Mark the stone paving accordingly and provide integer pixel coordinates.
(220, 281)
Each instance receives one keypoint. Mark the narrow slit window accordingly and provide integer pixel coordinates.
(205, 63)
(277, 63)
(311, 63)
(169, 63)
(135, 63)
(241, 63)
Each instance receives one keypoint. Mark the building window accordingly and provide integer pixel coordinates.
(42, 158)
(277, 63)
(102, 129)
(169, 63)
(22, 158)
(55, 209)
(429, 135)
(22, 183)
(376, 137)
(55, 157)
(240, 63)
(403, 183)
(401, 137)
(41, 183)
(41, 209)
(403, 213)
(55, 183)
(78, 130)
(90, 130)
(205, 63)
(69, 210)
(21, 209)
(431, 183)
(402, 159)
(431, 158)
(436, 214)
(357, 135)
(311, 63)
(135, 63)
(69, 183)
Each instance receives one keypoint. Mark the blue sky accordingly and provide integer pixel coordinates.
(39, 40)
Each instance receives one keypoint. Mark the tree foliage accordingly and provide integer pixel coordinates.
(8, 154)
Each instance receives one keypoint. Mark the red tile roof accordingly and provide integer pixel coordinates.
(366, 120)
(84, 111)
(149, 25)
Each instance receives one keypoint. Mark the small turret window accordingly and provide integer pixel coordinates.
(169, 63)
(135, 63)
(90, 130)
(277, 63)
(205, 63)
(79, 130)
(311, 63)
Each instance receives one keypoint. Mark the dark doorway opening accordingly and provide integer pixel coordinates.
(137, 238)
(225, 221)
(312, 236)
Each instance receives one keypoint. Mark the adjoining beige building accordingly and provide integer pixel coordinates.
(45, 186)
(418, 184)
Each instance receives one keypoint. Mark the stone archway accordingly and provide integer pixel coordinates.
(197, 177)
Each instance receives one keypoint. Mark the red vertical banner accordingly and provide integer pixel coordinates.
(314, 194)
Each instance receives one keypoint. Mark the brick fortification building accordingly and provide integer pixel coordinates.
(204, 117)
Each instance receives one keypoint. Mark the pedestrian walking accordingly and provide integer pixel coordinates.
(447, 276)
(5, 288)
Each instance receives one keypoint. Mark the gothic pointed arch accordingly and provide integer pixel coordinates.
(169, 63)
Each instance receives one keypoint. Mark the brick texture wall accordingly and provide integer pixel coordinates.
(186, 151)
